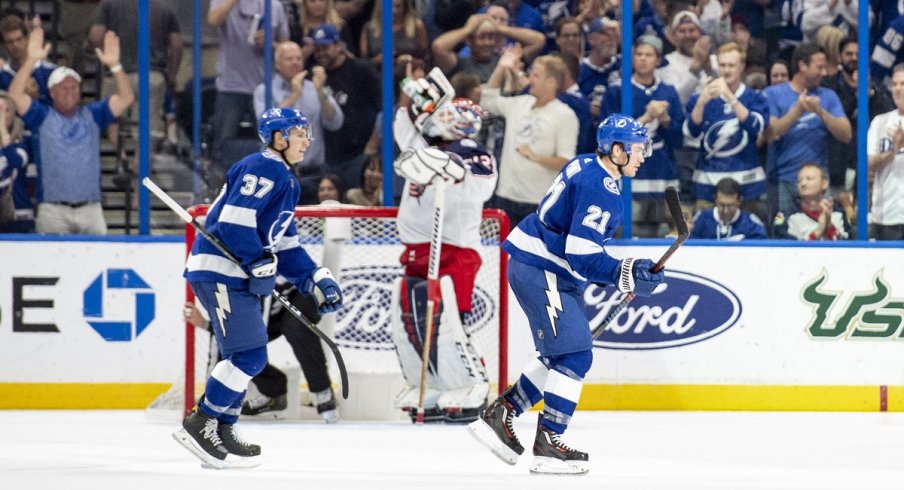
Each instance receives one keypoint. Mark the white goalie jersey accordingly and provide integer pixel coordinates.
(464, 200)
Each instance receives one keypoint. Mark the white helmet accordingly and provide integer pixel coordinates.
(455, 120)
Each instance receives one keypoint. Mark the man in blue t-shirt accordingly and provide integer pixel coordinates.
(801, 115)
(68, 153)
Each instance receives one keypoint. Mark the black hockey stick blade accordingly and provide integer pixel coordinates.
(179, 210)
(674, 205)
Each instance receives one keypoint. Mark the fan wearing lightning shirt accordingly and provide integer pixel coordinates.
(457, 388)
(730, 116)
(655, 105)
(253, 217)
(555, 252)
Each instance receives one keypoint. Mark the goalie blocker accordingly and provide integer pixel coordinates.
(457, 382)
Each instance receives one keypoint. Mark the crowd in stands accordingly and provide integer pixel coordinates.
(751, 104)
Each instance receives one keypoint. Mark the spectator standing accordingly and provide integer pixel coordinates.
(291, 88)
(354, 84)
(481, 32)
(812, 216)
(409, 34)
(305, 15)
(728, 118)
(690, 64)
(602, 66)
(843, 156)
(17, 172)
(240, 68)
(121, 16)
(885, 151)
(570, 37)
(15, 39)
(726, 220)
(802, 114)
(68, 153)
(540, 133)
(655, 104)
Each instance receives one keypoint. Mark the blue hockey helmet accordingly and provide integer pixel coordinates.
(281, 119)
(619, 128)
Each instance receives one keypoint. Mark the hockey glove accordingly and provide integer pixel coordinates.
(635, 275)
(263, 275)
(325, 290)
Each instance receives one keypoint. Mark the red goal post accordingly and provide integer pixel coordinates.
(363, 244)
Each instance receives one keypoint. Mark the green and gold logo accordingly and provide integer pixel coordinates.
(865, 314)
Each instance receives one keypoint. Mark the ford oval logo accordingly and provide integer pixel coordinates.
(363, 322)
(687, 309)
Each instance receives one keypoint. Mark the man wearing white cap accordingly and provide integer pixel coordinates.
(68, 153)
(690, 62)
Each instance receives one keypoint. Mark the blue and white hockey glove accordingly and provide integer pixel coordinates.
(635, 275)
(325, 290)
(263, 275)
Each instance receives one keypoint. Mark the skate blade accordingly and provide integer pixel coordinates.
(209, 462)
(270, 415)
(485, 435)
(543, 465)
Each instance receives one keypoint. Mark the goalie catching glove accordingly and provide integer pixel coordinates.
(635, 275)
(420, 166)
(325, 290)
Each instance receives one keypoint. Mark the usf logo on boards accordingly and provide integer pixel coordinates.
(860, 314)
(118, 304)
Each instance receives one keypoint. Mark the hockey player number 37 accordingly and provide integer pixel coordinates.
(251, 183)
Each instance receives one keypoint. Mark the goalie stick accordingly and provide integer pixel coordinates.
(179, 210)
(674, 205)
(433, 287)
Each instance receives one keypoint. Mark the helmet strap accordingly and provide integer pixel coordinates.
(621, 167)
(282, 153)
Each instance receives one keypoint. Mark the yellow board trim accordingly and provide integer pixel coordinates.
(80, 396)
(593, 397)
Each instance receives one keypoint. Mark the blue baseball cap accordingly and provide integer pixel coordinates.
(598, 24)
(325, 34)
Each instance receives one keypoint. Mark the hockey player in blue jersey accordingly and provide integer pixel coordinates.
(555, 252)
(254, 218)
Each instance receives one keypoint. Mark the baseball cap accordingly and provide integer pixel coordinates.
(685, 16)
(598, 24)
(652, 41)
(61, 73)
(325, 34)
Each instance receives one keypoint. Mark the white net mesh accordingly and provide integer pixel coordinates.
(362, 247)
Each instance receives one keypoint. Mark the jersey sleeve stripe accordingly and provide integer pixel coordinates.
(237, 215)
(575, 245)
(535, 246)
(214, 263)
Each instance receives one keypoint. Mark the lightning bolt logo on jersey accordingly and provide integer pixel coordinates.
(728, 145)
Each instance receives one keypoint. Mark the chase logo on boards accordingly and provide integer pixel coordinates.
(687, 309)
(363, 320)
(130, 298)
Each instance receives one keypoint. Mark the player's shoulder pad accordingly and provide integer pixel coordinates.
(478, 160)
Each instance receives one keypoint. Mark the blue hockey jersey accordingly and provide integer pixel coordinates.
(743, 225)
(659, 170)
(888, 52)
(573, 222)
(728, 146)
(254, 215)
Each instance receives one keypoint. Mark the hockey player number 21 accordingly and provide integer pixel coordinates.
(597, 219)
(251, 183)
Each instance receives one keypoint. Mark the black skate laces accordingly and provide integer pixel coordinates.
(210, 432)
(556, 441)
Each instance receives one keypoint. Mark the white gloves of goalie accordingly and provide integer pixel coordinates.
(421, 166)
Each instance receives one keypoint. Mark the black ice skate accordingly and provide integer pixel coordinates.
(552, 457)
(200, 435)
(234, 443)
(494, 430)
(262, 404)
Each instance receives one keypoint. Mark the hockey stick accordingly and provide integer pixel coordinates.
(433, 288)
(674, 205)
(179, 210)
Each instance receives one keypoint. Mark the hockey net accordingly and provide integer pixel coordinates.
(362, 246)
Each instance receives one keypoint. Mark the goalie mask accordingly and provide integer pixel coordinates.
(455, 120)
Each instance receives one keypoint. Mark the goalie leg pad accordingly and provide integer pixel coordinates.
(407, 331)
(462, 372)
